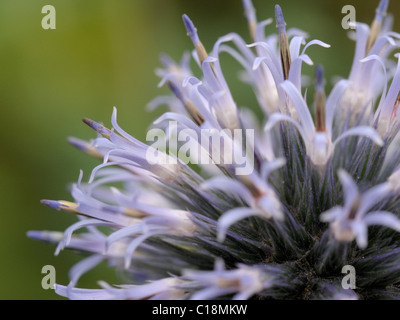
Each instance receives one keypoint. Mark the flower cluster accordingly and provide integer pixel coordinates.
(323, 193)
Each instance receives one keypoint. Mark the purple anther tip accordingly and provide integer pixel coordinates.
(280, 20)
(191, 29)
(51, 203)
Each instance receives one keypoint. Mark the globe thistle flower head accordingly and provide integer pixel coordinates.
(221, 204)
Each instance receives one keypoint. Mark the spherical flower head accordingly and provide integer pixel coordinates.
(219, 203)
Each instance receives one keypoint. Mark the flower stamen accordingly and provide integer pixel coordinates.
(189, 106)
(376, 26)
(250, 14)
(62, 205)
(320, 100)
(396, 106)
(283, 42)
(192, 33)
(106, 133)
(85, 147)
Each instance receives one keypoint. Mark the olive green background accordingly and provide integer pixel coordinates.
(103, 54)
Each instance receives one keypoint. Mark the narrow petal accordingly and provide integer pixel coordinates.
(315, 42)
(332, 101)
(361, 231)
(301, 108)
(279, 117)
(136, 243)
(362, 36)
(331, 214)
(269, 167)
(382, 63)
(350, 188)
(231, 217)
(295, 45)
(383, 218)
(82, 267)
(373, 196)
(83, 294)
(226, 184)
(362, 131)
(386, 106)
(76, 226)
(123, 233)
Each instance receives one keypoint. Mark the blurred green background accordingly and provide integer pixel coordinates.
(103, 54)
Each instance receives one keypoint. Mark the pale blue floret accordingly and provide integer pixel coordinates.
(352, 220)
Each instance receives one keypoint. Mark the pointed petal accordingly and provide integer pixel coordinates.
(269, 167)
(383, 218)
(231, 217)
(76, 226)
(373, 196)
(226, 184)
(350, 188)
(362, 131)
(333, 99)
(315, 42)
(136, 243)
(82, 267)
(301, 107)
(123, 233)
(361, 231)
(331, 214)
(83, 294)
(295, 45)
(386, 106)
(362, 36)
(279, 117)
(382, 63)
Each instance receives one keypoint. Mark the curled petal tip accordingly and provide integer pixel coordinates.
(210, 59)
(221, 236)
